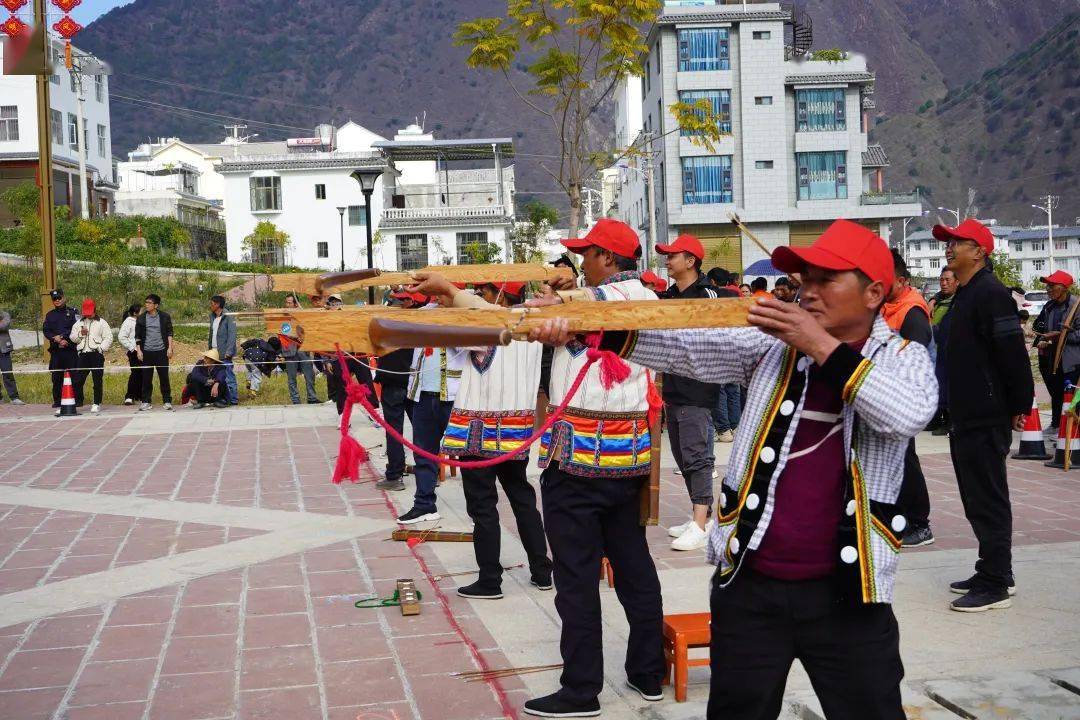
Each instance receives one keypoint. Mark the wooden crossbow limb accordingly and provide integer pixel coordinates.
(322, 283)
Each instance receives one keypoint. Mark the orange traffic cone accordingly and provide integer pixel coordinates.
(67, 397)
(1032, 445)
(1064, 440)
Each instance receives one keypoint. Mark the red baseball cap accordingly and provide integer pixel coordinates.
(661, 284)
(844, 245)
(418, 298)
(649, 276)
(88, 307)
(1058, 277)
(683, 243)
(618, 237)
(512, 288)
(970, 229)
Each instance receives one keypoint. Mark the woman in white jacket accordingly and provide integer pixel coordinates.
(126, 337)
(92, 337)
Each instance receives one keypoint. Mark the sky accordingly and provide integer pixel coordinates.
(91, 9)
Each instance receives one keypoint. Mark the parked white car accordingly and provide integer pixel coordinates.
(1033, 302)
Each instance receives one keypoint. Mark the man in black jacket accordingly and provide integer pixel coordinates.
(690, 402)
(154, 348)
(62, 355)
(393, 375)
(990, 392)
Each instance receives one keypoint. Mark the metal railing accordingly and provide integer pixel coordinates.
(486, 211)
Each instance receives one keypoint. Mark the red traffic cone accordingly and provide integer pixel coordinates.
(67, 397)
(1032, 445)
(1074, 444)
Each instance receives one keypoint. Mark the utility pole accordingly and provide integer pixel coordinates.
(651, 244)
(80, 135)
(1051, 203)
(45, 173)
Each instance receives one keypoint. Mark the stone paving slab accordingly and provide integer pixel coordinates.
(1006, 696)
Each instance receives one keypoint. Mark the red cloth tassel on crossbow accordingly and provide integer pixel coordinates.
(350, 452)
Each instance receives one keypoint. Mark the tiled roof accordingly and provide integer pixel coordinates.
(672, 16)
(1060, 233)
(875, 157)
(300, 161)
(830, 78)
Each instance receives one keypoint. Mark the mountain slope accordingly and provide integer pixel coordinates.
(1011, 135)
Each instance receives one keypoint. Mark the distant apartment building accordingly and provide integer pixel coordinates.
(436, 201)
(19, 137)
(796, 156)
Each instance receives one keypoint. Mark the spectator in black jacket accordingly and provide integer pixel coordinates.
(62, 354)
(990, 393)
(259, 358)
(690, 403)
(1058, 346)
(393, 376)
(154, 347)
(206, 381)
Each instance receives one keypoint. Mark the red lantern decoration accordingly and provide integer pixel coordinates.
(13, 5)
(66, 27)
(13, 26)
(66, 5)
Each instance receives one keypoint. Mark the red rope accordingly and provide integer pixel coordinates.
(613, 370)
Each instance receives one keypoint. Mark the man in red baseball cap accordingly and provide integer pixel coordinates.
(611, 247)
(989, 391)
(807, 530)
(1057, 339)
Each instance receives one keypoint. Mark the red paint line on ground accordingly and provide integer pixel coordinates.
(496, 687)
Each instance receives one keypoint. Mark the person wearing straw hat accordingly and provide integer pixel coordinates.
(206, 382)
(1057, 339)
(806, 535)
(93, 338)
(990, 391)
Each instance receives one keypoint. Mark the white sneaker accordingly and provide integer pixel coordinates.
(167, 406)
(95, 408)
(692, 539)
(127, 401)
(145, 406)
(726, 437)
(57, 413)
(677, 471)
(715, 473)
(677, 530)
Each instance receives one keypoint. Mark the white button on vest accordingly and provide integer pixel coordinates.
(723, 500)
(850, 509)
(767, 455)
(752, 501)
(803, 363)
(899, 522)
(849, 554)
(787, 407)
(734, 545)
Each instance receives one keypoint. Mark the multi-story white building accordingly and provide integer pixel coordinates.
(19, 138)
(797, 155)
(1031, 247)
(424, 211)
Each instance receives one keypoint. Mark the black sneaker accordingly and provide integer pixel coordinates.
(963, 587)
(390, 484)
(477, 592)
(940, 431)
(917, 537)
(542, 582)
(554, 706)
(650, 691)
(979, 600)
(415, 516)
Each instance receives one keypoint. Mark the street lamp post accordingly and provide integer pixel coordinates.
(341, 218)
(367, 177)
(955, 212)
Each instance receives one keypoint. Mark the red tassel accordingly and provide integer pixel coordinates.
(613, 369)
(350, 452)
(655, 401)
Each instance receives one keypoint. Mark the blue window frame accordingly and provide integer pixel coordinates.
(822, 175)
(704, 49)
(721, 106)
(819, 110)
(707, 180)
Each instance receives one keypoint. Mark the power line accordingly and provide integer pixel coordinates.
(204, 112)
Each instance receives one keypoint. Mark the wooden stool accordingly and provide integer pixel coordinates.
(442, 470)
(607, 572)
(682, 632)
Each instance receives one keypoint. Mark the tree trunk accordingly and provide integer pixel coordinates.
(574, 193)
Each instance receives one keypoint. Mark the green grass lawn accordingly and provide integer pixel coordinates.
(37, 388)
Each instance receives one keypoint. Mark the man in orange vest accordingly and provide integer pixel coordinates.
(907, 313)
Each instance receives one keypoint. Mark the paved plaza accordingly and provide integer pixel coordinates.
(199, 565)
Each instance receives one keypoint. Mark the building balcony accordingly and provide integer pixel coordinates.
(889, 198)
(452, 216)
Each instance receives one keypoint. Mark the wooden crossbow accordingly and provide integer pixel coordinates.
(323, 283)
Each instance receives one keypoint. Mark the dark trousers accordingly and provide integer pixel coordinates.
(60, 360)
(851, 652)
(394, 410)
(160, 359)
(134, 382)
(587, 518)
(359, 372)
(8, 375)
(300, 361)
(481, 502)
(430, 418)
(978, 457)
(201, 392)
(93, 364)
(728, 409)
(1055, 385)
(691, 436)
(914, 499)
